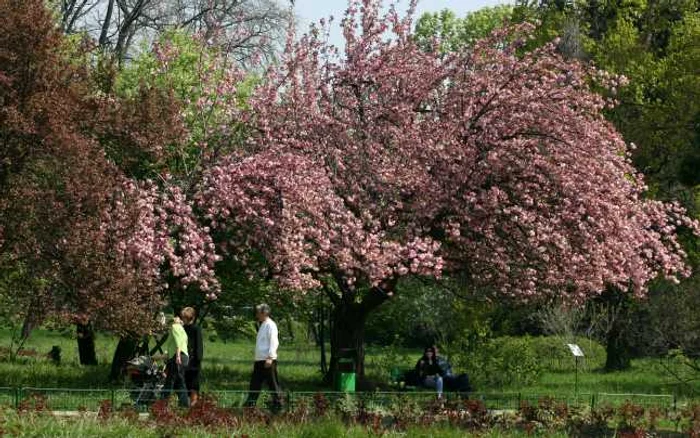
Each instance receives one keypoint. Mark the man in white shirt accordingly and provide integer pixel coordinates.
(265, 367)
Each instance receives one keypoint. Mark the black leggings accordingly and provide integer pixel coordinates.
(175, 380)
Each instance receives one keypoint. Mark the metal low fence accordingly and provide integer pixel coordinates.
(64, 399)
(8, 396)
(582, 400)
(664, 401)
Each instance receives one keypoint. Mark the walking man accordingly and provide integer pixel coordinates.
(265, 367)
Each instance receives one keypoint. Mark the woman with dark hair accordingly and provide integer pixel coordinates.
(195, 349)
(429, 371)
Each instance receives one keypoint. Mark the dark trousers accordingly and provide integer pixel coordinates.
(261, 375)
(192, 377)
(175, 380)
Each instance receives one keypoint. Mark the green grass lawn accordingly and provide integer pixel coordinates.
(227, 366)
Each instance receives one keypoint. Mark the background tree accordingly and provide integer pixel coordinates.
(244, 28)
(55, 181)
(103, 246)
(642, 42)
(651, 44)
(452, 33)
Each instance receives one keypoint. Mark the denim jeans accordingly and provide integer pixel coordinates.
(434, 382)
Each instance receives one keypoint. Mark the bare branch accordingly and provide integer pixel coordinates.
(243, 28)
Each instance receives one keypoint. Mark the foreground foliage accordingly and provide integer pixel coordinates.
(332, 174)
(320, 416)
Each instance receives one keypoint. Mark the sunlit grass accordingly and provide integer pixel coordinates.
(228, 365)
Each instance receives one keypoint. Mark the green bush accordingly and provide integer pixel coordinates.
(505, 361)
(229, 328)
(392, 359)
(556, 356)
(516, 361)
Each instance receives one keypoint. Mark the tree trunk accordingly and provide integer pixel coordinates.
(103, 41)
(348, 334)
(321, 338)
(617, 345)
(86, 344)
(27, 327)
(127, 348)
(617, 350)
(290, 328)
(347, 326)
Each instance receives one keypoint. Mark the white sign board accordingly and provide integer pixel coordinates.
(575, 350)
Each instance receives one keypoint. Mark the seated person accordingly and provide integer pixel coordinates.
(452, 382)
(429, 372)
(444, 365)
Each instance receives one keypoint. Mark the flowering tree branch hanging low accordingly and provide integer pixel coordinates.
(394, 161)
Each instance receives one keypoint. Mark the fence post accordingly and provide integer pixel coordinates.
(17, 396)
(113, 397)
(289, 400)
(675, 401)
(592, 401)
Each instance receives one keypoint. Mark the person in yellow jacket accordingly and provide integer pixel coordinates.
(176, 348)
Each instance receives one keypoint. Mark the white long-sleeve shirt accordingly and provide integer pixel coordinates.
(267, 341)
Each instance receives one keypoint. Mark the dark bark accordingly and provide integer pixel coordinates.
(290, 328)
(321, 338)
(617, 350)
(348, 333)
(127, 348)
(86, 344)
(127, 28)
(617, 346)
(27, 327)
(348, 319)
(103, 41)
(74, 10)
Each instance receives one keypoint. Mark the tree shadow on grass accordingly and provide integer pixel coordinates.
(43, 374)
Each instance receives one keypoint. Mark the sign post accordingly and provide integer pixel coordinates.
(577, 352)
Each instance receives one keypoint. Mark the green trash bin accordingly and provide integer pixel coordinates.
(346, 376)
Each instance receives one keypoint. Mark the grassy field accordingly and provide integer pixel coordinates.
(227, 366)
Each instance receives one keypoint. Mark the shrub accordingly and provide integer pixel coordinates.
(393, 358)
(505, 361)
(229, 328)
(511, 361)
(690, 421)
(555, 355)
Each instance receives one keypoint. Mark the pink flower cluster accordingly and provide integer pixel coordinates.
(159, 237)
(283, 205)
(393, 161)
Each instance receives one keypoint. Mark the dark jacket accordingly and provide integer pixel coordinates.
(445, 367)
(424, 368)
(195, 345)
(439, 366)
